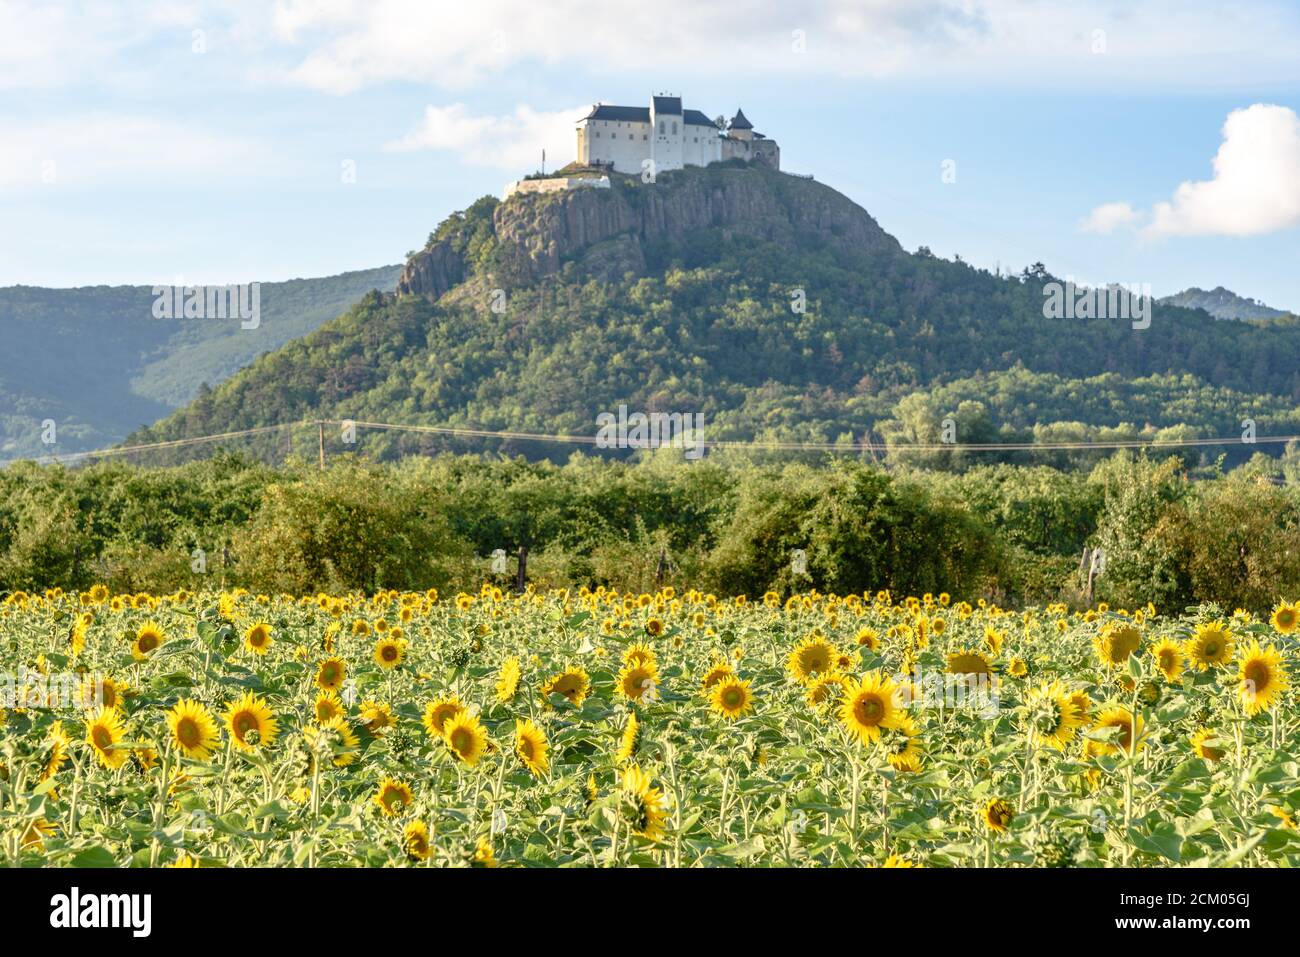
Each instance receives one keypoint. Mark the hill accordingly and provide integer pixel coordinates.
(770, 303)
(96, 361)
(1223, 304)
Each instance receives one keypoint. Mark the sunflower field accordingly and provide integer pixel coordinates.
(592, 728)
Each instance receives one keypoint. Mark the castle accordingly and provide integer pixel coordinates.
(663, 136)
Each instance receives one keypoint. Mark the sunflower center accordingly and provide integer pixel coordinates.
(870, 709)
(1257, 674)
(188, 732)
(103, 740)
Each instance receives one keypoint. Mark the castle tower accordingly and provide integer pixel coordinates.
(667, 131)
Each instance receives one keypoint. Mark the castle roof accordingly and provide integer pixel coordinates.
(668, 105)
(738, 122)
(641, 114)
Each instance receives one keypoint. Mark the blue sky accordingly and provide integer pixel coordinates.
(205, 142)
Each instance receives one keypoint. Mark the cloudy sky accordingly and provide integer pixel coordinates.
(1135, 141)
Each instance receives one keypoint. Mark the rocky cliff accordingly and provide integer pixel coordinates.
(605, 230)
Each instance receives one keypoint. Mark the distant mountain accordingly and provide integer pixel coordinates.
(1222, 304)
(96, 361)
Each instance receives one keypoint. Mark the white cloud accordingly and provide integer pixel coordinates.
(340, 46)
(1256, 184)
(1255, 188)
(514, 141)
(1108, 217)
(111, 149)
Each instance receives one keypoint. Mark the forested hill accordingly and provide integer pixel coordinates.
(96, 362)
(770, 303)
(1223, 304)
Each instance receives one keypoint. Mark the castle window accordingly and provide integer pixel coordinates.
(661, 127)
(674, 127)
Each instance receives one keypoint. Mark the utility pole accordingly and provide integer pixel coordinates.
(321, 435)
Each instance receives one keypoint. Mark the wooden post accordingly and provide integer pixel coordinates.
(521, 577)
(321, 435)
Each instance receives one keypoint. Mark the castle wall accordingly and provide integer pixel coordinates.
(625, 144)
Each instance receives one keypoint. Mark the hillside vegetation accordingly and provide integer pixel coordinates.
(96, 362)
(769, 303)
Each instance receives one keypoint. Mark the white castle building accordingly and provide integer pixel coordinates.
(663, 136)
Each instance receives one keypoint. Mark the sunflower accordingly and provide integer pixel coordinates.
(997, 815)
(1017, 668)
(901, 747)
(868, 638)
(732, 698)
(251, 724)
(1211, 646)
(869, 705)
(393, 797)
(1286, 617)
(257, 638)
(415, 840)
(389, 652)
(193, 729)
(1169, 658)
(466, 737)
(333, 737)
(531, 746)
(102, 734)
(58, 742)
(508, 680)
(1262, 678)
(438, 712)
(328, 705)
(641, 804)
(377, 716)
(147, 640)
(825, 690)
(1121, 718)
(637, 681)
(993, 640)
(331, 674)
(629, 740)
(1051, 715)
(654, 627)
(36, 833)
(640, 654)
(893, 860)
(483, 855)
(715, 674)
(1285, 820)
(1202, 746)
(968, 662)
(811, 657)
(572, 683)
(1115, 643)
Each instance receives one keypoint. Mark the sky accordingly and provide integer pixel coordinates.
(1142, 141)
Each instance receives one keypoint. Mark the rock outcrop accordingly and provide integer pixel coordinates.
(604, 228)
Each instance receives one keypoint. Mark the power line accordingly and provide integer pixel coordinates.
(864, 445)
